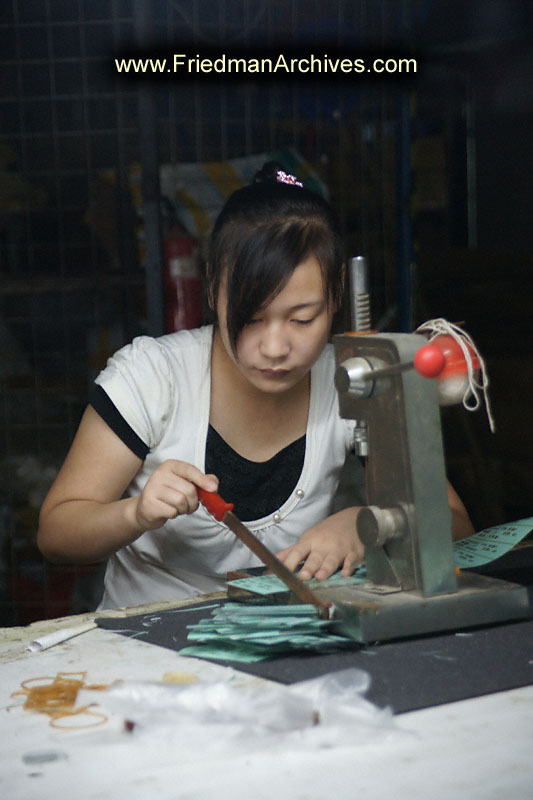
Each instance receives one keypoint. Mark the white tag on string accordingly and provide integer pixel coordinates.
(476, 384)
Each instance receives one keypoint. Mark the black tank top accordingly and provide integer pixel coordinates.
(257, 488)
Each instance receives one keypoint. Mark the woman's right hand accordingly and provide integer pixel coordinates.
(171, 491)
(86, 518)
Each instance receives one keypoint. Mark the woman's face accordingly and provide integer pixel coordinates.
(280, 344)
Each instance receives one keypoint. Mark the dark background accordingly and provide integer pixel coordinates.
(430, 176)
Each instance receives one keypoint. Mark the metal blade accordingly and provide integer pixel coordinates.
(292, 581)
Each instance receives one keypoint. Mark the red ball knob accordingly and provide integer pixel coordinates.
(429, 361)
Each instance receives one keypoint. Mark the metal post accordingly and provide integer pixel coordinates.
(404, 184)
(147, 109)
(405, 230)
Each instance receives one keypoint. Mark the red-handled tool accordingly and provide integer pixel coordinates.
(222, 512)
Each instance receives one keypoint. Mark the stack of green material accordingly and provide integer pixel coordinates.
(239, 632)
(271, 585)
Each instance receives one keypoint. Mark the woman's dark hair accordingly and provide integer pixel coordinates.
(261, 235)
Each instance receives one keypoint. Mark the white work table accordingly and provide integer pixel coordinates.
(477, 749)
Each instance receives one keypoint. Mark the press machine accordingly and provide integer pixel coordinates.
(412, 586)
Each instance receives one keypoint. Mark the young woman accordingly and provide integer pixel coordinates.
(246, 407)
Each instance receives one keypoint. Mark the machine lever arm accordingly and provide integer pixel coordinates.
(429, 361)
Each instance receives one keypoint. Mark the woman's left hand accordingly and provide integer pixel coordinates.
(331, 545)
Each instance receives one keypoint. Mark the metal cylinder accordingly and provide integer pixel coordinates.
(359, 295)
(375, 526)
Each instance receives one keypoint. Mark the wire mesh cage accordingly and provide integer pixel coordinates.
(86, 156)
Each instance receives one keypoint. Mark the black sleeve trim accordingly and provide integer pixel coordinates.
(104, 406)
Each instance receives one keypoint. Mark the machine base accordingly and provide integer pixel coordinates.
(370, 613)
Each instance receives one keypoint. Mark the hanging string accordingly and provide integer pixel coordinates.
(476, 384)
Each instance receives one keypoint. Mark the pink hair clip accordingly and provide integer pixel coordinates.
(291, 180)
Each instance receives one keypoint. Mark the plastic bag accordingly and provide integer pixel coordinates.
(322, 712)
(267, 706)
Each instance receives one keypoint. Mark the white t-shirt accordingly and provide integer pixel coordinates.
(161, 388)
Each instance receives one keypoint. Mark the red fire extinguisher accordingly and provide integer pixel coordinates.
(183, 280)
